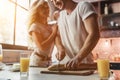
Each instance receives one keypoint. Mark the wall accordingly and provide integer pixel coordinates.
(12, 56)
(108, 48)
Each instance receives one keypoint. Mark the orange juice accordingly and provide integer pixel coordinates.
(24, 64)
(0, 58)
(103, 68)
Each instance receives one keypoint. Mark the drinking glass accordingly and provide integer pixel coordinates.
(103, 68)
(1, 53)
(24, 64)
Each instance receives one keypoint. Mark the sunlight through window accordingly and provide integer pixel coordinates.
(10, 21)
(6, 21)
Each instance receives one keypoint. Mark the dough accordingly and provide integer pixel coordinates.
(82, 66)
(56, 67)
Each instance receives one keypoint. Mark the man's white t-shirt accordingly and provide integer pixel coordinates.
(72, 30)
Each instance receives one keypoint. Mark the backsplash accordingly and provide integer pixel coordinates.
(107, 48)
(110, 34)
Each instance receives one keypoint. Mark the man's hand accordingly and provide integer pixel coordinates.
(73, 63)
(60, 55)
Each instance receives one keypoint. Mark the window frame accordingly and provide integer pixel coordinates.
(13, 45)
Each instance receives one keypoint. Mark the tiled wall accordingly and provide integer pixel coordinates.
(108, 48)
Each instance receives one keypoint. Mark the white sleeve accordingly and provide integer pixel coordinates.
(34, 28)
(86, 9)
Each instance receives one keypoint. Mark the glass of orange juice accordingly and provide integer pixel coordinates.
(103, 68)
(1, 53)
(24, 64)
(0, 57)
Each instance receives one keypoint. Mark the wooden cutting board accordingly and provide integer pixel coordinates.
(82, 73)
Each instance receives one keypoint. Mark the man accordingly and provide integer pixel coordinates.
(52, 9)
(79, 33)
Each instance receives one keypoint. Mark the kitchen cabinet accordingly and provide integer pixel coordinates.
(110, 22)
(113, 6)
(110, 25)
(109, 17)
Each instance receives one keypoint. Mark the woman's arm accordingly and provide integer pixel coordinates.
(40, 42)
(61, 51)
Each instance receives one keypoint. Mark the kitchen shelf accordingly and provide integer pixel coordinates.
(110, 28)
(110, 33)
(108, 22)
(94, 1)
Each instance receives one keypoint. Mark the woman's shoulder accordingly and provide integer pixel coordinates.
(37, 25)
(34, 27)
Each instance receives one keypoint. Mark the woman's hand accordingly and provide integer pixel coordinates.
(55, 28)
(60, 55)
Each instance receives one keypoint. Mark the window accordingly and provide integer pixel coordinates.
(21, 28)
(6, 21)
(13, 17)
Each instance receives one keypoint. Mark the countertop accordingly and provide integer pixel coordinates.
(34, 74)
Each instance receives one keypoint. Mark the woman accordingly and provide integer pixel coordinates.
(42, 34)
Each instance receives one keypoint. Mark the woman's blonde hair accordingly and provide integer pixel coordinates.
(34, 12)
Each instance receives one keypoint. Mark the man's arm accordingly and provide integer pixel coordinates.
(91, 26)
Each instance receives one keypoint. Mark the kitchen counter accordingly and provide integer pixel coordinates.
(34, 74)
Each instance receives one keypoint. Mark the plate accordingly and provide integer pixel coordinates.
(15, 67)
(1, 65)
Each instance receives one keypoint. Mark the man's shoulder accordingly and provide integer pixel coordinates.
(81, 3)
(63, 13)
